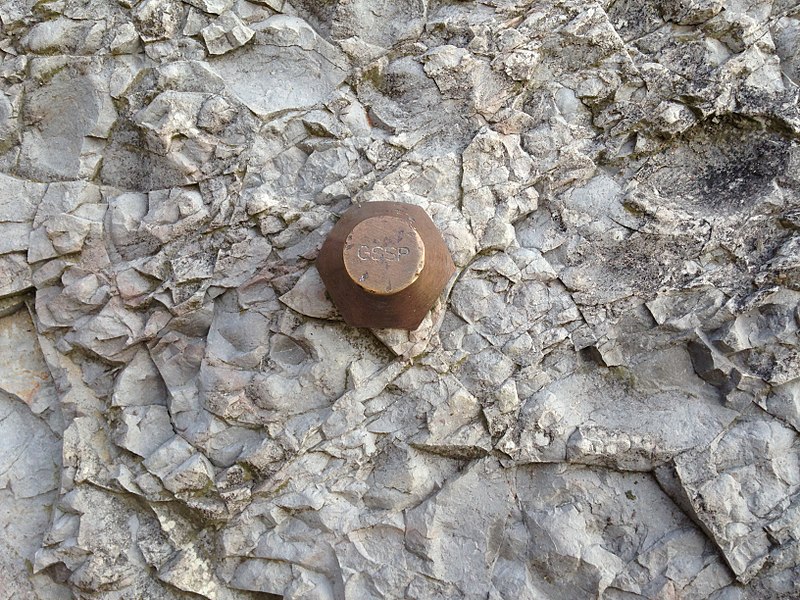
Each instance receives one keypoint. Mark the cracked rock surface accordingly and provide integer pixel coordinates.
(604, 403)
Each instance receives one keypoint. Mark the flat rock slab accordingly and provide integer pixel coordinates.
(286, 66)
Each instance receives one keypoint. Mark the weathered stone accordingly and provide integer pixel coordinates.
(377, 23)
(58, 148)
(195, 473)
(288, 67)
(226, 33)
(158, 21)
(605, 404)
(15, 274)
(216, 7)
(740, 488)
(29, 477)
(309, 298)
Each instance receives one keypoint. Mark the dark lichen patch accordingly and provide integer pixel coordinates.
(633, 19)
(728, 165)
(320, 13)
(650, 261)
(743, 172)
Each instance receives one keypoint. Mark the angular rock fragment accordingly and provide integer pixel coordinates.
(143, 429)
(139, 383)
(225, 34)
(309, 298)
(287, 66)
(741, 487)
(27, 378)
(216, 7)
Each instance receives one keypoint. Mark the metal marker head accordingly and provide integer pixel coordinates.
(384, 264)
(384, 255)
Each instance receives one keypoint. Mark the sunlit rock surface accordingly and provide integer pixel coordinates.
(605, 402)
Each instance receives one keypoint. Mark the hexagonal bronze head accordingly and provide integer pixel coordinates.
(384, 264)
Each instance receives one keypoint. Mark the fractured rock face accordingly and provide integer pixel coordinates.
(287, 67)
(604, 403)
(743, 489)
(30, 430)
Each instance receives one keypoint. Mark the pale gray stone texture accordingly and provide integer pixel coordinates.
(603, 403)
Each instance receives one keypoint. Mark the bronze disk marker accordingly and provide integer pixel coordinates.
(384, 255)
(384, 264)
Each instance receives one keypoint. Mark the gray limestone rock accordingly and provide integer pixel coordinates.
(216, 7)
(142, 429)
(55, 148)
(225, 34)
(288, 66)
(604, 402)
(743, 490)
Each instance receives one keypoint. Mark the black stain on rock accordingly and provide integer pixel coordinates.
(741, 170)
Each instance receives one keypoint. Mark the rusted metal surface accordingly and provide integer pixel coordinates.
(384, 264)
(384, 255)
